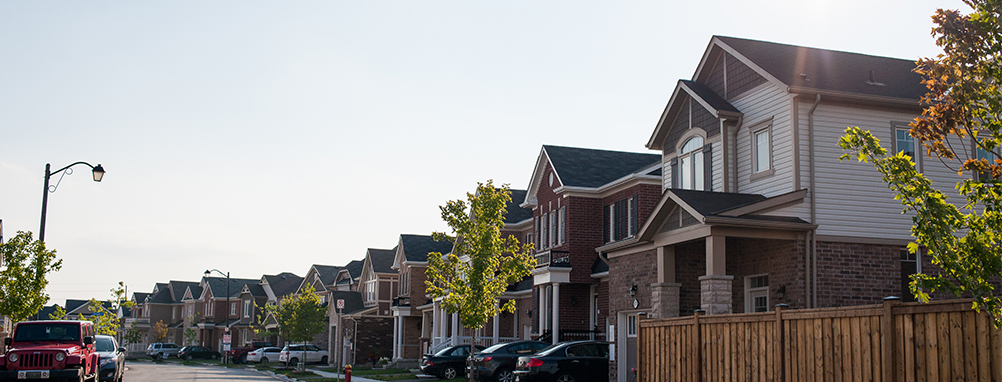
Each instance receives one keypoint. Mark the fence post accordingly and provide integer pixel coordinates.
(699, 344)
(780, 342)
(887, 339)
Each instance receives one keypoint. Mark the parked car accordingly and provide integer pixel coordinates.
(239, 355)
(579, 361)
(159, 350)
(191, 352)
(447, 363)
(293, 354)
(112, 364)
(50, 350)
(266, 354)
(497, 362)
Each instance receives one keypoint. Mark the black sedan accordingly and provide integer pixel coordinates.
(579, 361)
(112, 358)
(497, 362)
(447, 363)
(191, 352)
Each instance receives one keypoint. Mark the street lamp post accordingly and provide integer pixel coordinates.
(98, 172)
(227, 309)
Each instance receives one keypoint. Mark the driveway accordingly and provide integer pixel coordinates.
(168, 371)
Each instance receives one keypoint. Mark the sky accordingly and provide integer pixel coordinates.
(259, 137)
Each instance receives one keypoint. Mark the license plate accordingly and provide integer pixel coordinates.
(32, 374)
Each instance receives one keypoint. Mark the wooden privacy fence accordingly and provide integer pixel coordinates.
(938, 341)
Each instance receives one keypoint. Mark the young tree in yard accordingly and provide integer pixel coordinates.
(107, 322)
(961, 126)
(58, 314)
(26, 264)
(190, 334)
(300, 318)
(133, 335)
(159, 331)
(482, 264)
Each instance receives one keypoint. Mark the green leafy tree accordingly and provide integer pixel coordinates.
(26, 264)
(961, 126)
(300, 317)
(482, 265)
(190, 334)
(105, 317)
(133, 335)
(58, 314)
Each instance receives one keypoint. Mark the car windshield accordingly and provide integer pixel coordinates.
(494, 348)
(548, 350)
(105, 344)
(47, 332)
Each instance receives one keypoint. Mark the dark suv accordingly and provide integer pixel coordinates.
(53, 350)
(580, 361)
(497, 362)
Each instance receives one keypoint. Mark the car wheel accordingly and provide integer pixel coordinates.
(242, 359)
(215, 356)
(293, 362)
(263, 360)
(187, 357)
(504, 375)
(565, 378)
(160, 355)
(449, 373)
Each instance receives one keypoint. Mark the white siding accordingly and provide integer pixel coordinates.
(758, 105)
(717, 171)
(666, 172)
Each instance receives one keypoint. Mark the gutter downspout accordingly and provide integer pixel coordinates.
(812, 257)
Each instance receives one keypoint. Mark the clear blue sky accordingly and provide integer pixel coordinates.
(261, 136)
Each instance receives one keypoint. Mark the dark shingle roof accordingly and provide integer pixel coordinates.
(218, 286)
(284, 283)
(417, 247)
(709, 202)
(327, 273)
(832, 70)
(354, 268)
(525, 284)
(514, 213)
(43, 314)
(161, 297)
(196, 292)
(599, 266)
(177, 289)
(708, 95)
(72, 305)
(352, 301)
(140, 297)
(592, 168)
(382, 259)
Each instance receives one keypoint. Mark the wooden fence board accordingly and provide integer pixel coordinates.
(920, 347)
(984, 347)
(932, 347)
(971, 343)
(956, 345)
(836, 350)
(846, 349)
(875, 348)
(864, 349)
(908, 340)
(943, 319)
(996, 354)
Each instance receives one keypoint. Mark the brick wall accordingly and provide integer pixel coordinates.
(625, 271)
(690, 263)
(857, 274)
(412, 337)
(782, 260)
(373, 335)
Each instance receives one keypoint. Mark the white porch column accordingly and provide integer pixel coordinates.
(541, 313)
(455, 328)
(497, 327)
(396, 337)
(434, 323)
(556, 313)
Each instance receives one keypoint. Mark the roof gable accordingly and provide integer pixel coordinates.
(586, 168)
(415, 248)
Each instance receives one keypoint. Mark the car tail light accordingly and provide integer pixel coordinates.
(487, 358)
(427, 362)
(534, 362)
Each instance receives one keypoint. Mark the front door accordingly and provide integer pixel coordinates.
(626, 357)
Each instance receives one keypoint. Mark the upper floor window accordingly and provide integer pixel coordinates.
(405, 281)
(905, 142)
(620, 219)
(762, 150)
(247, 306)
(233, 308)
(691, 165)
(370, 290)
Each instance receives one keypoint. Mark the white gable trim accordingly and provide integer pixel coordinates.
(537, 178)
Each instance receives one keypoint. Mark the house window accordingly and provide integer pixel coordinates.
(909, 266)
(620, 219)
(757, 293)
(553, 228)
(191, 308)
(173, 314)
(247, 306)
(208, 308)
(535, 223)
(691, 164)
(904, 141)
(762, 150)
(233, 309)
(631, 325)
(987, 155)
(543, 228)
(562, 227)
(405, 281)
(370, 290)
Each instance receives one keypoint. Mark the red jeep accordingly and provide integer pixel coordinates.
(50, 350)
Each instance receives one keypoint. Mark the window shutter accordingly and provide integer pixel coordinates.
(563, 225)
(708, 167)
(605, 223)
(634, 219)
(674, 172)
(620, 219)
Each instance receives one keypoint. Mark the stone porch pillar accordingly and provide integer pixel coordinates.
(715, 287)
(666, 293)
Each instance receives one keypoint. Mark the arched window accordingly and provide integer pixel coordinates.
(690, 162)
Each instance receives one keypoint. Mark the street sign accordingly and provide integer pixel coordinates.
(226, 346)
(226, 339)
(340, 304)
(98, 314)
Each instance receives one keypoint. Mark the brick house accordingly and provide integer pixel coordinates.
(756, 208)
(276, 287)
(216, 317)
(164, 304)
(410, 302)
(365, 325)
(323, 279)
(349, 276)
(581, 199)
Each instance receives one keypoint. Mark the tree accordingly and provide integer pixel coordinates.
(23, 277)
(190, 335)
(58, 314)
(300, 317)
(961, 126)
(133, 335)
(482, 265)
(105, 319)
(159, 331)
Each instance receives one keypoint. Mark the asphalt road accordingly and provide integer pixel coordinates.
(151, 372)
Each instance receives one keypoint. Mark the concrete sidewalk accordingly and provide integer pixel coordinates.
(327, 374)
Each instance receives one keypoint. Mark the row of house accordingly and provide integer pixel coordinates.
(742, 204)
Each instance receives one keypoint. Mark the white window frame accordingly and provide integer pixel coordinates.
(553, 228)
(903, 126)
(687, 168)
(246, 308)
(233, 308)
(191, 308)
(749, 292)
(756, 154)
(562, 227)
(631, 325)
(543, 227)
